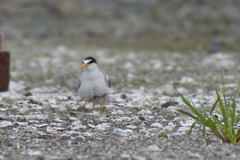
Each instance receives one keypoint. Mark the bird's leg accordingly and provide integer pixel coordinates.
(93, 106)
(84, 106)
(102, 108)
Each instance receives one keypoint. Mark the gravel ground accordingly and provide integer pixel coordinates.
(148, 48)
(41, 116)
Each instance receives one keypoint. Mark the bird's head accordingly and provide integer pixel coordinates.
(89, 63)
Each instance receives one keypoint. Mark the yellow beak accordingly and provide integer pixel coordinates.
(84, 65)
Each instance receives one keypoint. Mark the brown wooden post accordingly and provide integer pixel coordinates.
(4, 68)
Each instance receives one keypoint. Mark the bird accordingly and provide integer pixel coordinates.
(94, 86)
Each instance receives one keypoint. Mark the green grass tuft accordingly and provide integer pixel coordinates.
(227, 130)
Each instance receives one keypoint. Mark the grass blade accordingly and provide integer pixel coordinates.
(208, 123)
(225, 114)
(204, 126)
(214, 106)
(189, 114)
(191, 128)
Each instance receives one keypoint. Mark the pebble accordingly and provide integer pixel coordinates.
(167, 104)
(5, 124)
(40, 125)
(168, 90)
(156, 124)
(31, 129)
(123, 96)
(8, 118)
(120, 112)
(141, 118)
(153, 148)
(76, 125)
(162, 133)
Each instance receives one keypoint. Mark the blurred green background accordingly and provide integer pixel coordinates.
(177, 25)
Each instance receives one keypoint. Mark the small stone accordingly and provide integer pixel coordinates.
(141, 118)
(90, 125)
(5, 124)
(167, 104)
(63, 90)
(30, 129)
(9, 100)
(157, 125)
(123, 96)
(8, 118)
(168, 129)
(40, 125)
(27, 93)
(76, 125)
(153, 148)
(162, 133)
(168, 90)
(120, 112)
(52, 101)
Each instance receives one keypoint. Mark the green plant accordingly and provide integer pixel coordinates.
(226, 129)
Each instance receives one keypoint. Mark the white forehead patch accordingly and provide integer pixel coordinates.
(86, 61)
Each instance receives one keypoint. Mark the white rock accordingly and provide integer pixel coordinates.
(52, 101)
(51, 129)
(53, 106)
(90, 125)
(144, 130)
(218, 61)
(9, 99)
(88, 134)
(185, 80)
(162, 133)
(16, 86)
(62, 98)
(64, 90)
(126, 119)
(124, 131)
(131, 126)
(153, 148)
(127, 156)
(168, 89)
(8, 118)
(24, 110)
(5, 124)
(21, 123)
(31, 129)
(120, 112)
(156, 124)
(172, 109)
(168, 129)
(183, 129)
(151, 117)
(128, 65)
(187, 123)
(76, 125)
(40, 125)
(145, 112)
(34, 153)
(102, 127)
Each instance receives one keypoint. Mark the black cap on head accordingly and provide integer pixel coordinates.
(89, 60)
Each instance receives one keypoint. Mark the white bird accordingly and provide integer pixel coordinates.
(93, 86)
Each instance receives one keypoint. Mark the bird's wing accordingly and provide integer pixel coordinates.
(107, 80)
